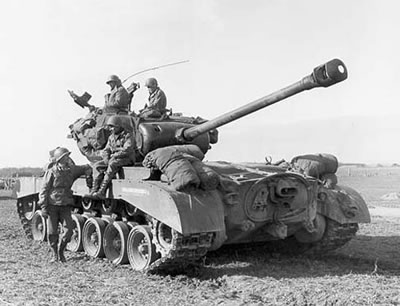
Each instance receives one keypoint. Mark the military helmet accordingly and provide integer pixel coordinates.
(114, 121)
(151, 82)
(113, 78)
(60, 152)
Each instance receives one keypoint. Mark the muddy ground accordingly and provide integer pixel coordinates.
(364, 272)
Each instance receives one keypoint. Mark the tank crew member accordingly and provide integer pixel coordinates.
(56, 200)
(157, 100)
(118, 100)
(119, 151)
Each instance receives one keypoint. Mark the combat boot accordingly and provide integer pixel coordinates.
(61, 250)
(95, 187)
(54, 255)
(101, 194)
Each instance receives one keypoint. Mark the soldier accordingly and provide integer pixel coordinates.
(118, 100)
(119, 151)
(56, 200)
(157, 100)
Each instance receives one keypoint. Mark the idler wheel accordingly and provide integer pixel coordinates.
(141, 251)
(76, 243)
(29, 206)
(39, 226)
(115, 242)
(163, 236)
(93, 235)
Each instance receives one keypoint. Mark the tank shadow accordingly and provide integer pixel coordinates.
(363, 255)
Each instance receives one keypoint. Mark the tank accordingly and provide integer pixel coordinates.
(146, 222)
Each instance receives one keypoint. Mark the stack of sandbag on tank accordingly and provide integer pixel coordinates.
(91, 134)
(322, 166)
(182, 166)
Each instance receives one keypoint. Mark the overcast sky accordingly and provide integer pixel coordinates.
(238, 51)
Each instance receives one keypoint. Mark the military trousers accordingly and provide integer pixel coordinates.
(111, 168)
(59, 215)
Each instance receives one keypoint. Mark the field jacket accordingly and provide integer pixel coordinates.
(57, 183)
(117, 101)
(120, 146)
(157, 101)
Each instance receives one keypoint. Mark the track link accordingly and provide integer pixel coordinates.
(336, 235)
(26, 224)
(184, 251)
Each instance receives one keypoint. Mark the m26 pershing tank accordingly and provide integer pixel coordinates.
(154, 227)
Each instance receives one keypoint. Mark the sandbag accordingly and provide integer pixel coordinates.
(178, 170)
(81, 125)
(315, 165)
(97, 137)
(181, 174)
(209, 179)
(330, 180)
(190, 149)
(160, 157)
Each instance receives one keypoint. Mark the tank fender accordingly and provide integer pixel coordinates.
(188, 213)
(343, 204)
(27, 186)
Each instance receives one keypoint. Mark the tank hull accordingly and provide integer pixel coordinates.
(254, 203)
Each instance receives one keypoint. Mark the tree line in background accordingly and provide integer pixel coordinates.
(18, 172)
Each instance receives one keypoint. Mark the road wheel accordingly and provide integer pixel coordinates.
(93, 235)
(39, 226)
(115, 242)
(141, 250)
(76, 243)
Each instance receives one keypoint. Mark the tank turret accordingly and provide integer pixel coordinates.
(91, 133)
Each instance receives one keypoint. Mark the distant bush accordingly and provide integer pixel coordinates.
(18, 172)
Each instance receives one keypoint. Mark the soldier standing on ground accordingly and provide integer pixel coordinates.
(56, 200)
(157, 100)
(119, 151)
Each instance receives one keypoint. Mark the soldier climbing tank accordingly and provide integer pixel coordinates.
(170, 208)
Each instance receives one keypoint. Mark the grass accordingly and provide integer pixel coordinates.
(364, 272)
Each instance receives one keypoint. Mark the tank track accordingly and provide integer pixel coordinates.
(336, 235)
(26, 224)
(184, 251)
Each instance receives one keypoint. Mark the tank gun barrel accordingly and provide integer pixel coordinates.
(324, 75)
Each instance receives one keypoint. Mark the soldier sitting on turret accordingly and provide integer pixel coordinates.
(118, 100)
(119, 151)
(157, 101)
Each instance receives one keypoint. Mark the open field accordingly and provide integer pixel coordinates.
(364, 272)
